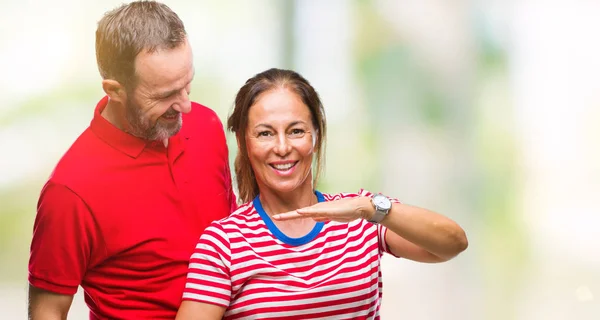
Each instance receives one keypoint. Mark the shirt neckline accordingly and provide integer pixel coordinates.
(123, 141)
(280, 235)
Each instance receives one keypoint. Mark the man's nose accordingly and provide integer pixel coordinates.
(184, 105)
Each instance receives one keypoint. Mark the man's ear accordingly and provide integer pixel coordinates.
(114, 90)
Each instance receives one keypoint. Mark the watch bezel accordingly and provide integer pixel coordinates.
(387, 201)
(380, 212)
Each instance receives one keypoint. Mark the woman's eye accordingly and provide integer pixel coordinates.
(297, 131)
(264, 134)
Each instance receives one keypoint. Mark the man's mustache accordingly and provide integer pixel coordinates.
(170, 113)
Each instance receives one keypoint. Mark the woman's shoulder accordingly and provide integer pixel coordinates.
(342, 195)
(244, 214)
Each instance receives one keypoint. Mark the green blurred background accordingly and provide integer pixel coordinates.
(485, 111)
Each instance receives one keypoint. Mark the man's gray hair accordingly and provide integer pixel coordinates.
(127, 30)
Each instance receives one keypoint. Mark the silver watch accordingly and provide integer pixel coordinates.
(382, 206)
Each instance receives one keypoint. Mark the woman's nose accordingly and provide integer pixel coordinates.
(283, 146)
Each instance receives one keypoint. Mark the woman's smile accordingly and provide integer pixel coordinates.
(284, 168)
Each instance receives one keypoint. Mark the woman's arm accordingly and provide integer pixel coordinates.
(419, 234)
(192, 310)
(416, 233)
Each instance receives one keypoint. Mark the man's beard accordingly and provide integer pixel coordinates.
(141, 127)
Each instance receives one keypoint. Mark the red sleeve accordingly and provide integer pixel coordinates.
(63, 240)
(227, 174)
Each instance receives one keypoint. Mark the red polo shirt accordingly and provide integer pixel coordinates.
(120, 216)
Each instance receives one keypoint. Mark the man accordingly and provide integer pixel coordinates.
(123, 209)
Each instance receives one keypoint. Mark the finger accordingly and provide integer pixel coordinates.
(310, 211)
(315, 211)
(287, 216)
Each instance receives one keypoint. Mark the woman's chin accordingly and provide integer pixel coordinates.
(288, 187)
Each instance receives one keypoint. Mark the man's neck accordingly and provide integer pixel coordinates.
(113, 113)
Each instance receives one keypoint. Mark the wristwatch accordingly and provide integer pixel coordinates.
(382, 206)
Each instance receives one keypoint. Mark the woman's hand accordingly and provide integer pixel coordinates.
(342, 210)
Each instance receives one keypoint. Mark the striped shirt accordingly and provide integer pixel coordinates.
(247, 265)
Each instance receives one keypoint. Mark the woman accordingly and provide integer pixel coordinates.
(291, 252)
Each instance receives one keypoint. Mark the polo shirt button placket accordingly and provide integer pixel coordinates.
(186, 181)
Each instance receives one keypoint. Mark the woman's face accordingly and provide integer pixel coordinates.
(280, 140)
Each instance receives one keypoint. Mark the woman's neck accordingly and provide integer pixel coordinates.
(275, 203)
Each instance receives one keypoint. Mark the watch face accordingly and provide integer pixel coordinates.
(382, 201)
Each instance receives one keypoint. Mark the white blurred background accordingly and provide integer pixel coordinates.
(486, 111)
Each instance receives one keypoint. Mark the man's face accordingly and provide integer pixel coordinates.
(154, 106)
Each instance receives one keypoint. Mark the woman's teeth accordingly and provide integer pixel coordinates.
(283, 166)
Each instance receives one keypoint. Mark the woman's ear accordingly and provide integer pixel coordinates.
(114, 90)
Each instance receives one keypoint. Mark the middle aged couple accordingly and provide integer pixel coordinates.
(140, 211)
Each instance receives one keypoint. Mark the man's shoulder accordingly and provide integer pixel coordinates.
(202, 114)
(80, 160)
(204, 123)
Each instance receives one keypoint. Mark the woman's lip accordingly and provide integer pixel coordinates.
(286, 171)
(282, 162)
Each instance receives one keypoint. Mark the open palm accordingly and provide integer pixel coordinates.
(342, 210)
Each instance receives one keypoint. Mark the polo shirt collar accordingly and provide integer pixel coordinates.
(117, 138)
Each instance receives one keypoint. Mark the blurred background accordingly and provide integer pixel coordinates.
(487, 111)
